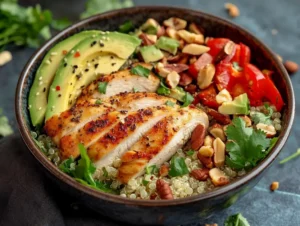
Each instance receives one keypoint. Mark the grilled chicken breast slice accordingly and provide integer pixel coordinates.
(119, 82)
(161, 142)
(122, 136)
(75, 118)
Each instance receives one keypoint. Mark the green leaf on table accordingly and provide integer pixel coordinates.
(140, 70)
(94, 7)
(246, 146)
(178, 167)
(236, 220)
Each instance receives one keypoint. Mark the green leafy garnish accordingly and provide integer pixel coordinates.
(94, 7)
(126, 27)
(162, 89)
(237, 66)
(178, 167)
(259, 117)
(188, 99)
(295, 155)
(98, 102)
(236, 220)
(170, 103)
(145, 182)
(151, 169)
(68, 166)
(102, 87)
(190, 152)
(5, 128)
(105, 173)
(135, 90)
(25, 26)
(246, 146)
(140, 70)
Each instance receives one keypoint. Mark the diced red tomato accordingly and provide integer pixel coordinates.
(273, 95)
(77, 54)
(57, 88)
(245, 55)
(215, 45)
(207, 97)
(203, 60)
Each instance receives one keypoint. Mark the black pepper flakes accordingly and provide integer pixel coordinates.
(44, 90)
(111, 57)
(65, 64)
(59, 95)
(93, 43)
(96, 65)
(101, 44)
(78, 76)
(86, 70)
(113, 64)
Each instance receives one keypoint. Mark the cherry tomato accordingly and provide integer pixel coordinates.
(207, 97)
(203, 60)
(215, 45)
(245, 55)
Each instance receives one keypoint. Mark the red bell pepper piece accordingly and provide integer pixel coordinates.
(245, 55)
(215, 45)
(267, 73)
(273, 95)
(207, 97)
(237, 54)
(203, 60)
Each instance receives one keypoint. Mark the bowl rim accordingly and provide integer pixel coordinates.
(52, 169)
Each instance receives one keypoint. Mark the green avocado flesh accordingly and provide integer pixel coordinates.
(168, 44)
(37, 101)
(240, 105)
(151, 54)
(87, 60)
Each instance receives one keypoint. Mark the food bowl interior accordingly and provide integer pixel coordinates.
(213, 27)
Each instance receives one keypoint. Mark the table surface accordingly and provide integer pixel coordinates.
(260, 206)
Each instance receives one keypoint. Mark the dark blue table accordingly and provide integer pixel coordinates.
(261, 207)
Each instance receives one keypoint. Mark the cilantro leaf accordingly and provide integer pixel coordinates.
(162, 89)
(68, 166)
(188, 99)
(246, 146)
(178, 167)
(145, 182)
(102, 87)
(140, 70)
(190, 152)
(170, 103)
(94, 7)
(126, 27)
(5, 128)
(236, 220)
(151, 169)
(259, 117)
(105, 173)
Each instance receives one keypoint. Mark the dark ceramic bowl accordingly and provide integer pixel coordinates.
(172, 212)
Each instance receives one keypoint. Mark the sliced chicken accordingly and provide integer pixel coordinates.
(161, 142)
(75, 118)
(122, 136)
(119, 82)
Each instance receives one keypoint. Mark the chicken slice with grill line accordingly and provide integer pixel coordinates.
(161, 142)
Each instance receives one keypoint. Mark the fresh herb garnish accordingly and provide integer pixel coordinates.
(170, 103)
(135, 90)
(188, 99)
(140, 70)
(68, 166)
(5, 128)
(237, 66)
(102, 87)
(98, 101)
(126, 27)
(105, 173)
(259, 117)
(162, 89)
(295, 155)
(178, 167)
(190, 152)
(151, 169)
(236, 220)
(145, 182)
(94, 7)
(246, 146)
(25, 26)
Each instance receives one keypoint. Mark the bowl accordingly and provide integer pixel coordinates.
(170, 212)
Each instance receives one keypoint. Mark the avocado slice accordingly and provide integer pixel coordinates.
(177, 93)
(240, 105)
(37, 101)
(151, 26)
(151, 53)
(87, 54)
(168, 44)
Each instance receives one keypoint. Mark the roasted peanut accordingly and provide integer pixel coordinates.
(205, 76)
(233, 10)
(247, 120)
(172, 79)
(191, 88)
(164, 170)
(172, 33)
(5, 57)
(145, 40)
(200, 174)
(218, 178)
(174, 59)
(279, 58)
(223, 96)
(160, 31)
(206, 151)
(268, 129)
(176, 67)
(152, 38)
(175, 23)
(217, 131)
(197, 137)
(227, 50)
(195, 49)
(208, 141)
(220, 118)
(193, 59)
(191, 37)
(219, 149)
(274, 186)
(162, 70)
(291, 66)
(196, 29)
(163, 189)
(206, 161)
(185, 79)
